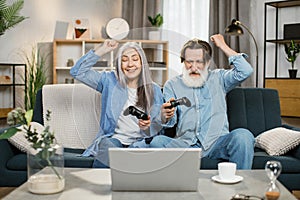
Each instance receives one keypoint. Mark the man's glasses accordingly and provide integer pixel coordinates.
(246, 197)
(197, 63)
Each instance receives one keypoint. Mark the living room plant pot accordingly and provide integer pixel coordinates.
(45, 168)
(156, 22)
(293, 73)
(154, 35)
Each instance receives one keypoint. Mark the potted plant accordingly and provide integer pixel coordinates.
(45, 159)
(156, 22)
(36, 75)
(292, 50)
(9, 15)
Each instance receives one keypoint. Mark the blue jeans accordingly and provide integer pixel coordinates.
(237, 147)
(101, 160)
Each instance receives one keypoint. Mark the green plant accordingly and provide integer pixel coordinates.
(292, 50)
(39, 141)
(9, 15)
(156, 21)
(36, 75)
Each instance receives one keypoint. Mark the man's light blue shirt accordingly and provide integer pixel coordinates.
(206, 120)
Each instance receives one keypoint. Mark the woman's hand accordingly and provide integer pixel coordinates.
(167, 111)
(107, 46)
(144, 124)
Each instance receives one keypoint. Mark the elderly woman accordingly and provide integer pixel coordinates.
(129, 85)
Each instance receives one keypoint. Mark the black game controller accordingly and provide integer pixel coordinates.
(135, 112)
(181, 101)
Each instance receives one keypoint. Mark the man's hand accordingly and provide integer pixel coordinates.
(219, 41)
(167, 111)
(144, 124)
(107, 46)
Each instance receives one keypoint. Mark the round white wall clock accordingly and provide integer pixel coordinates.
(117, 28)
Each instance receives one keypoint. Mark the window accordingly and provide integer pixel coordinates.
(183, 20)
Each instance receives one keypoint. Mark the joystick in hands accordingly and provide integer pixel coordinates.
(135, 112)
(181, 101)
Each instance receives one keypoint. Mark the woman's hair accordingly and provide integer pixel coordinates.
(145, 91)
(197, 44)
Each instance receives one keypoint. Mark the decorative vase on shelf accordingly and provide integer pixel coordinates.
(45, 168)
(293, 73)
(156, 22)
(154, 35)
(292, 50)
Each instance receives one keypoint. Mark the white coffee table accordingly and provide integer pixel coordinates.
(88, 184)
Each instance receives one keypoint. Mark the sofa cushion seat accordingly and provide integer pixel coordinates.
(73, 158)
(289, 164)
(208, 163)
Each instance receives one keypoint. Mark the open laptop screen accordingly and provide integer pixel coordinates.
(154, 169)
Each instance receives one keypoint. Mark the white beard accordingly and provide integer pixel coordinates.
(194, 82)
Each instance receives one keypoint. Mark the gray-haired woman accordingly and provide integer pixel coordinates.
(129, 85)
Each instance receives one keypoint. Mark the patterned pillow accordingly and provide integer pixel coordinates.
(19, 140)
(278, 141)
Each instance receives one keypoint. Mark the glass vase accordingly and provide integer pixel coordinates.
(45, 168)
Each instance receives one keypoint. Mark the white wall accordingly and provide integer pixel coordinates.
(286, 16)
(39, 27)
(43, 14)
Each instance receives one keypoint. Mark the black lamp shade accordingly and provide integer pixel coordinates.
(234, 29)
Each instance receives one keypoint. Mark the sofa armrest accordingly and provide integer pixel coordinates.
(7, 150)
(290, 127)
(296, 151)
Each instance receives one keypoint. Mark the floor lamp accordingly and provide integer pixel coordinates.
(235, 29)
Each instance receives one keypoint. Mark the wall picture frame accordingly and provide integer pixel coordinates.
(81, 28)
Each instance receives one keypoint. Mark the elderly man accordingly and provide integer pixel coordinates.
(205, 124)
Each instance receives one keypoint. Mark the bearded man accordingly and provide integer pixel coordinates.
(205, 124)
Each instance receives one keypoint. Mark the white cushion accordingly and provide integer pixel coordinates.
(278, 141)
(75, 113)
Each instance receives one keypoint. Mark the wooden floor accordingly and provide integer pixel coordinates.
(5, 191)
(297, 194)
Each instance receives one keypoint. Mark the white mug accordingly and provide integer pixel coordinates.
(227, 170)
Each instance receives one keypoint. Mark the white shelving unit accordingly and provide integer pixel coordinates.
(156, 52)
(13, 90)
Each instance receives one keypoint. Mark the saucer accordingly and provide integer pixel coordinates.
(235, 180)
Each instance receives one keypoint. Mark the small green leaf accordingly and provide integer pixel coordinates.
(156, 21)
(28, 116)
(9, 133)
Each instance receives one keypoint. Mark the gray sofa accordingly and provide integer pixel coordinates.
(257, 109)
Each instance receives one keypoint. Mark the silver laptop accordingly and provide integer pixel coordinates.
(154, 169)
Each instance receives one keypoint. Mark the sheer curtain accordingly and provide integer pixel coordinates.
(222, 12)
(183, 20)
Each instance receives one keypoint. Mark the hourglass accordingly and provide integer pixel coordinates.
(273, 170)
